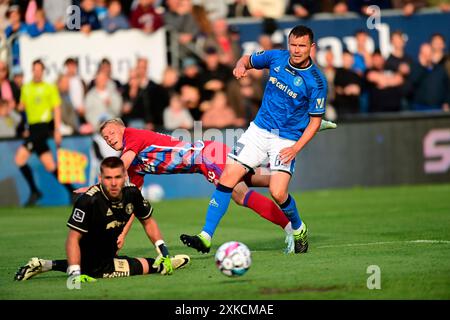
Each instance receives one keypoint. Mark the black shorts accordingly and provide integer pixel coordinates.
(37, 140)
(121, 266)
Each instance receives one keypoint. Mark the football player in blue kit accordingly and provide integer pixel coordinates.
(290, 115)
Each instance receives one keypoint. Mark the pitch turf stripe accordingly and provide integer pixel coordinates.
(386, 242)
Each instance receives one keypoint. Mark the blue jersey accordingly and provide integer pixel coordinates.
(291, 94)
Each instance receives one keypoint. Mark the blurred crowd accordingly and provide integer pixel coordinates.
(203, 88)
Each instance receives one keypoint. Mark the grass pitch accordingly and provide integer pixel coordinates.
(405, 231)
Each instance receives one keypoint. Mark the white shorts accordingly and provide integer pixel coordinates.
(257, 145)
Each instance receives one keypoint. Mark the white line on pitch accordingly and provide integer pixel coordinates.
(386, 242)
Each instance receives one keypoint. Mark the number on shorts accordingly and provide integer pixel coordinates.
(238, 148)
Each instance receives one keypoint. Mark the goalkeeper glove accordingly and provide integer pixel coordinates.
(167, 268)
(75, 275)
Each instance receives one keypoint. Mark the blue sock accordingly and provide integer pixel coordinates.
(218, 206)
(290, 210)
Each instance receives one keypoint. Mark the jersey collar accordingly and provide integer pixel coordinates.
(301, 69)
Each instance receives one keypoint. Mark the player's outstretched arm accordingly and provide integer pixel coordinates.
(242, 66)
(122, 236)
(73, 252)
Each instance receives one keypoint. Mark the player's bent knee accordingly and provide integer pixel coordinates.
(278, 196)
(238, 197)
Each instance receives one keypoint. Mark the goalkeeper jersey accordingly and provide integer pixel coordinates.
(101, 221)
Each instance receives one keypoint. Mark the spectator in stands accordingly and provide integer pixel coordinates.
(41, 25)
(178, 17)
(55, 11)
(238, 8)
(340, 7)
(102, 102)
(203, 22)
(303, 8)
(77, 89)
(409, 7)
(17, 76)
(106, 67)
(385, 87)
(215, 75)
(114, 19)
(160, 94)
(444, 5)
(362, 56)
(69, 118)
(190, 98)
(14, 30)
(88, 20)
(244, 96)
(437, 43)
(176, 116)
(228, 50)
(347, 85)
(265, 42)
(41, 103)
(429, 85)
(101, 9)
(145, 17)
(9, 91)
(136, 103)
(361, 6)
(217, 9)
(274, 9)
(142, 72)
(399, 61)
(4, 5)
(219, 114)
(329, 71)
(190, 73)
(157, 103)
(9, 120)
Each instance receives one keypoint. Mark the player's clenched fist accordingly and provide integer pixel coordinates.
(239, 72)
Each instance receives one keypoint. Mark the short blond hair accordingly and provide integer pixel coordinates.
(116, 121)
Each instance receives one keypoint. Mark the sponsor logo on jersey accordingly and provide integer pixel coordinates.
(320, 103)
(277, 69)
(114, 224)
(213, 203)
(78, 215)
(129, 208)
(298, 81)
(283, 87)
(109, 212)
(260, 52)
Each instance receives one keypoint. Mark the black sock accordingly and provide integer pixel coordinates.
(59, 265)
(164, 251)
(26, 172)
(68, 186)
(152, 269)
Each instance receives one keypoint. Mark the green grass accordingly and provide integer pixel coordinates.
(334, 268)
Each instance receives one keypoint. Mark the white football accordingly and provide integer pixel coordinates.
(233, 258)
(153, 192)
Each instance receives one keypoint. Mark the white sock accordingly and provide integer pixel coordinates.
(205, 235)
(288, 228)
(47, 265)
(297, 231)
